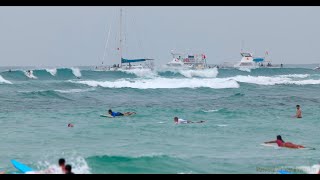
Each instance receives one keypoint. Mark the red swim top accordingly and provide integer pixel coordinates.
(279, 142)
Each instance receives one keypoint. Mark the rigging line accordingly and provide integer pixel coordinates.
(106, 45)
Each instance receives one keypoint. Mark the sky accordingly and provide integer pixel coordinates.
(79, 35)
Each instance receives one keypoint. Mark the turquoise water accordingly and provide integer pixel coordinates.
(242, 109)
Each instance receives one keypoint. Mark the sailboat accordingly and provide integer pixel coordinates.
(127, 64)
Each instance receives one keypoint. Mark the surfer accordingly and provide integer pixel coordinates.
(119, 113)
(182, 121)
(298, 113)
(68, 169)
(281, 143)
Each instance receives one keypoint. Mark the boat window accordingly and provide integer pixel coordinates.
(246, 54)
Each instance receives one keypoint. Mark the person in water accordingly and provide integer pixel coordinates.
(281, 143)
(70, 125)
(62, 165)
(298, 113)
(114, 114)
(182, 121)
(68, 169)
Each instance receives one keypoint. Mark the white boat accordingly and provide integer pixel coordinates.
(187, 61)
(246, 61)
(125, 64)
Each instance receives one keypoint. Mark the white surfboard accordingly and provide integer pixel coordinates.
(274, 145)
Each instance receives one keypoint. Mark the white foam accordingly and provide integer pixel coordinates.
(141, 72)
(207, 73)
(261, 80)
(310, 169)
(2, 80)
(222, 125)
(295, 75)
(30, 75)
(265, 80)
(305, 82)
(79, 166)
(53, 71)
(211, 110)
(73, 90)
(157, 83)
(190, 172)
(245, 69)
(76, 72)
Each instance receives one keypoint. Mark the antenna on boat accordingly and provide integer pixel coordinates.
(242, 45)
(120, 37)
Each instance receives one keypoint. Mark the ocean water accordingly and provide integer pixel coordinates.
(242, 109)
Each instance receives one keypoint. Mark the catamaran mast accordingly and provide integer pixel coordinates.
(120, 37)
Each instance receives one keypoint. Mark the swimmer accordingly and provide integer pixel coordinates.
(113, 114)
(298, 113)
(281, 143)
(68, 169)
(182, 121)
(70, 125)
(62, 165)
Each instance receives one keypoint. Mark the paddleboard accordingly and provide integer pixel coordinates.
(21, 167)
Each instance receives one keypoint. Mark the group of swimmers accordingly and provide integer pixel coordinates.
(176, 120)
(281, 142)
(65, 169)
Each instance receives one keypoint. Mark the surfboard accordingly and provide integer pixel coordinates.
(103, 115)
(21, 167)
(271, 145)
(109, 116)
(284, 172)
(277, 147)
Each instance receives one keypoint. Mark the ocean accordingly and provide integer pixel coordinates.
(242, 109)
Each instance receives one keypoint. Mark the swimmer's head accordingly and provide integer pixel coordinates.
(109, 111)
(175, 119)
(279, 138)
(298, 106)
(62, 162)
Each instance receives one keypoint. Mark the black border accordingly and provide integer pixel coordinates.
(160, 3)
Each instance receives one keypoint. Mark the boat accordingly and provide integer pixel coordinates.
(125, 63)
(187, 61)
(248, 61)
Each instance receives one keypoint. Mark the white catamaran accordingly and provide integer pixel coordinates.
(187, 61)
(126, 64)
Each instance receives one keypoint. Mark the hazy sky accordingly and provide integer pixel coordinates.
(76, 36)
